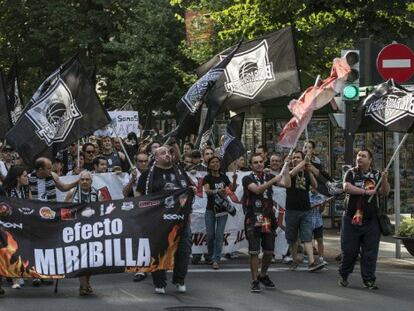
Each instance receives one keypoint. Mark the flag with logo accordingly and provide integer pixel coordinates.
(388, 108)
(63, 109)
(315, 97)
(188, 108)
(5, 121)
(15, 105)
(232, 148)
(262, 69)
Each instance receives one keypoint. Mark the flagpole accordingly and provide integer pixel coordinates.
(318, 78)
(123, 148)
(78, 166)
(389, 163)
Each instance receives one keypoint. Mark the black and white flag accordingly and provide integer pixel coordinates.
(13, 93)
(388, 108)
(63, 109)
(5, 121)
(262, 69)
(189, 105)
(232, 147)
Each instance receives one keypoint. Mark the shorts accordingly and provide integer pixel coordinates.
(318, 233)
(256, 238)
(298, 221)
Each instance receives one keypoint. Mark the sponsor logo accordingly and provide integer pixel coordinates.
(5, 209)
(127, 206)
(110, 208)
(88, 212)
(67, 213)
(10, 225)
(169, 202)
(173, 217)
(390, 108)
(143, 204)
(26, 210)
(47, 213)
(54, 113)
(249, 71)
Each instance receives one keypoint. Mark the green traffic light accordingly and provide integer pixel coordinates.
(350, 92)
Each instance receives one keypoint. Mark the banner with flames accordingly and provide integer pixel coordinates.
(55, 240)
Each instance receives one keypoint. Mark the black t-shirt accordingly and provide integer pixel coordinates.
(215, 183)
(253, 203)
(162, 180)
(297, 195)
(367, 181)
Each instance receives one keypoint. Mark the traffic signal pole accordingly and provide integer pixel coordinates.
(349, 137)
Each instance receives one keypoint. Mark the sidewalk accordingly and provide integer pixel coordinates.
(386, 253)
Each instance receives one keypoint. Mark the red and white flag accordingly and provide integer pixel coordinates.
(315, 97)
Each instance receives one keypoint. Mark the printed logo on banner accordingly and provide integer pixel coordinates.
(47, 213)
(54, 114)
(249, 71)
(127, 206)
(391, 107)
(5, 209)
(110, 208)
(144, 204)
(10, 225)
(26, 210)
(169, 202)
(173, 217)
(67, 213)
(88, 212)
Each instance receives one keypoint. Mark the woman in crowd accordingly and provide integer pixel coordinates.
(16, 185)
(215, 184)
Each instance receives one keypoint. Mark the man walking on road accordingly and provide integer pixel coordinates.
(360, 232)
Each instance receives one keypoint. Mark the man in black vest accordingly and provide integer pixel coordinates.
(164, 175)
(360, 232)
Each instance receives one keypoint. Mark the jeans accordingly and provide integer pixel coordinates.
(362, 239)
(181, 261)
(215, 233)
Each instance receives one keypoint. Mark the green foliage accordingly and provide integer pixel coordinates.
(406, 228)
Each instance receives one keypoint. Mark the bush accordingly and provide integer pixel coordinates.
(406, 228)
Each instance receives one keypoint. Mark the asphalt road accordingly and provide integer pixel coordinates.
(229, 289)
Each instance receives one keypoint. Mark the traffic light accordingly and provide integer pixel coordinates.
(351, 89)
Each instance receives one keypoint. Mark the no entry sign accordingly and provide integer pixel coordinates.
(396, 61)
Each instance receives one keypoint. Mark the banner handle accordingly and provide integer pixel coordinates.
(389, 164)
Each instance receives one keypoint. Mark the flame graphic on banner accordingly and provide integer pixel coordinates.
(165, 261)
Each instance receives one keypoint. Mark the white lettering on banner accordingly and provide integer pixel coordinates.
(93, 254)
(9, 225)
(173, 217)
(108, 227)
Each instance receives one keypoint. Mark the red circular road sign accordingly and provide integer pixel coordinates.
(396, 61)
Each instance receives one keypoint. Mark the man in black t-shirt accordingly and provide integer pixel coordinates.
(260, 222)
(164, 175)
(298, 213)
(360, 232)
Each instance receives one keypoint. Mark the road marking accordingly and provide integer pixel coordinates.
(396, 63)
(132, 295)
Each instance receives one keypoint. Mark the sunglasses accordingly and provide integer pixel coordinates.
(90, 151)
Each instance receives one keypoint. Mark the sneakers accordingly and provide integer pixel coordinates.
(322, 261)
(294, 265)
(140, 276)
(305, 259)
(181, 288)
(85, 291)
(315, 266)
(342, 281)
(256, 287)
(370, 285)
(266, 281)
(215, 265)
(18, 283)
(16, 286)
(160, 290)
(287, 260)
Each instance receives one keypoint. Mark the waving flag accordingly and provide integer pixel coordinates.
(63, 109)
(232, 148)
(15, 105)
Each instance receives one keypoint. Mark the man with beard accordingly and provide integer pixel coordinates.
(164, 175)
(360, 232)
(298, 214)
(260, 221)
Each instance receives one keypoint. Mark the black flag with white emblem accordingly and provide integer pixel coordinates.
(388, 108)
(232, 147)
(189, 105)
(15, 105)
(63, 109)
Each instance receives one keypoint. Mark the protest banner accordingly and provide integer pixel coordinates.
(55, 240)
(122, 123)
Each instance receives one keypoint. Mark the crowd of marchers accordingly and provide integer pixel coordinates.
(153, 166)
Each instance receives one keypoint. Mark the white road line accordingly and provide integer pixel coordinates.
(396, 63)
